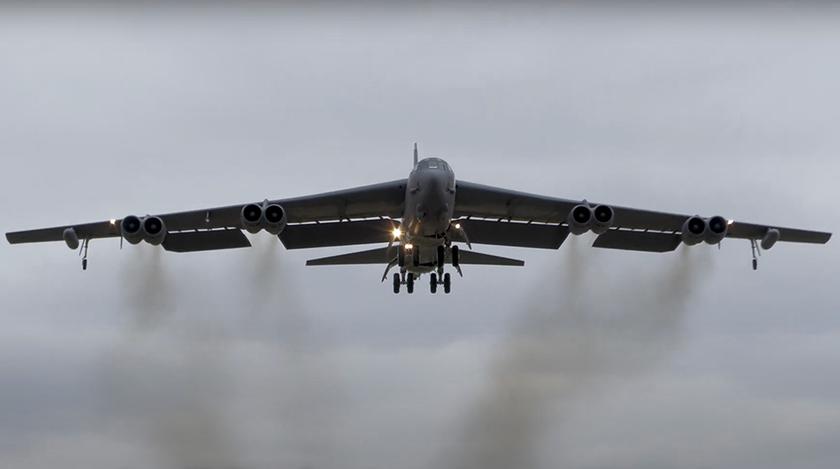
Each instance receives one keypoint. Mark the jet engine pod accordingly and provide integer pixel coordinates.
(131, 229)
(716, 229)
(274, 218)
(251, 217)
(154, 230)
(604, 216)
(580, 219)
(693, 230)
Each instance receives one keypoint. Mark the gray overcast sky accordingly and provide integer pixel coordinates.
(583, 359)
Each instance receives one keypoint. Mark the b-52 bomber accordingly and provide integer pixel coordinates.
(420, 221)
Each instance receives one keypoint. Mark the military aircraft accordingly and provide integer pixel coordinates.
(421, 218)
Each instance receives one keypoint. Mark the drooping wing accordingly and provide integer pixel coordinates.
(378, 200)
(507, 206)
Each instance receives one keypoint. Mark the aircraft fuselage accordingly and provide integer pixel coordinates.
(429, 205)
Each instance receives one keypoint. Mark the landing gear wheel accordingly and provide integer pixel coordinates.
(397, 283)
(433, 282)
(416, 255)
(447, 283)
(456, 257)
(401, 255)
(409, 283)
(441, 257)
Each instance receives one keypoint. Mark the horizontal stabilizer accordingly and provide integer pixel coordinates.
(192, 241)
(638, 241)
(477, 258)
(372, 256)
(386, 255)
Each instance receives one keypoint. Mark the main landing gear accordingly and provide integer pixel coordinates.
(446, 282)
(441, 258)
(408, 282)
(410, 255)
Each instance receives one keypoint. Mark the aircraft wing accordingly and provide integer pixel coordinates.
(634, 229)
(384, 200)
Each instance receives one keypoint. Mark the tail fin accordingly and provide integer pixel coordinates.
(415, 153)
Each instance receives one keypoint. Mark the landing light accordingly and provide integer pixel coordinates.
(409, 247)
(112, 221)
(397, 233)
(729, 222)
(457, 226)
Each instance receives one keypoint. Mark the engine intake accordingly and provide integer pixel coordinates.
(716, 228)
(251, 217)
(603, 219)
(154, 230)
(150, 229)
(265, 216)
(131, 229)
(693, 230)
(275, 219)
(581, 219)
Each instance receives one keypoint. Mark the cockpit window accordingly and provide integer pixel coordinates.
(433, 163)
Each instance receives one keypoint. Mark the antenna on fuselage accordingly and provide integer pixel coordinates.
(415, 153)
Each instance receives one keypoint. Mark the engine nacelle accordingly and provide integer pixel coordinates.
(150, 229)
(131, 229)
(265, 216)
(154, 230)
(274, 218)
(716, 228)
(604, 216)
(693, 230)
(251, 217)
(580, 219)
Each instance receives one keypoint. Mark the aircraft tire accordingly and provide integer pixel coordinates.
(397, 283)
(433, 282)
(456, 258)
(401, 256)
(441, 257)
(409, 283)
(447, 283)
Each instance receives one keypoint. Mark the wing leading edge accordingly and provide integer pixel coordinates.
(372, 201)
(487, 202)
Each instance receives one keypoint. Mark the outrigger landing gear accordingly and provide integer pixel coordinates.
(755, 253)
(84, 252)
